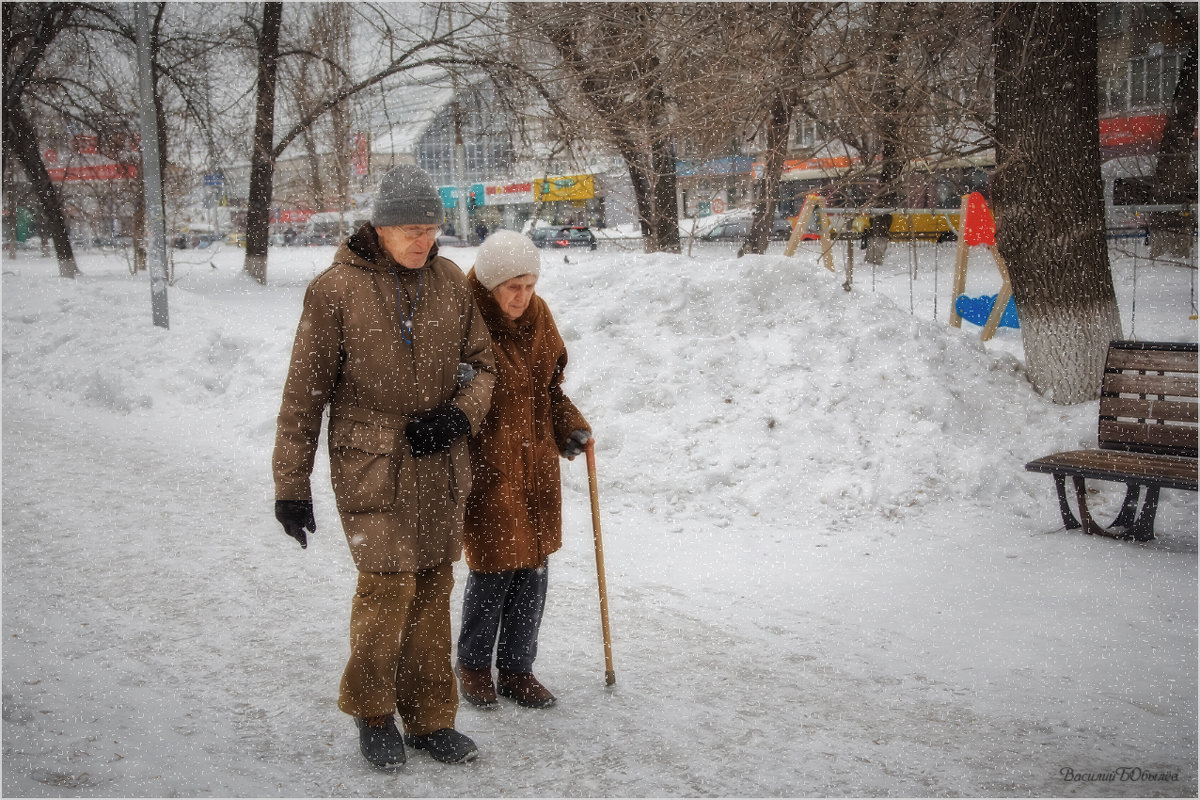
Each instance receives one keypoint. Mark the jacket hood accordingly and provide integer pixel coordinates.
(364, 251)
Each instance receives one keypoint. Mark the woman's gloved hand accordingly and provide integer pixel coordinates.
(575, 443)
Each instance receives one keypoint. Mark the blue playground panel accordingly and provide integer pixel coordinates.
(976, 310)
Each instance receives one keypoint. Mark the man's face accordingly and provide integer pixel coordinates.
(408, 244)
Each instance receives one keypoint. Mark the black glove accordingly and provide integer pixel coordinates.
(575, 443)
(296, 516)
(436, 431)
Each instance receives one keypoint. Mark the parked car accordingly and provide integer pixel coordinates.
(570, 236)
(737, 230)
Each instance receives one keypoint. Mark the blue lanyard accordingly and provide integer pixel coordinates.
(406, 325)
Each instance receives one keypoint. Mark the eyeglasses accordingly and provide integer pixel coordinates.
(412, 232)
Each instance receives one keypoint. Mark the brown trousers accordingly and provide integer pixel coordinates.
(400, 649)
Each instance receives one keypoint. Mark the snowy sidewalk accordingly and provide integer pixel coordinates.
(847, 602)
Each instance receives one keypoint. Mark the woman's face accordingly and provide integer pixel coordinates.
(514, 295)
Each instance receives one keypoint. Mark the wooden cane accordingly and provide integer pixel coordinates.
(610, 677)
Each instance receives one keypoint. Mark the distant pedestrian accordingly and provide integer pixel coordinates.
(381, 338)
(514, 513)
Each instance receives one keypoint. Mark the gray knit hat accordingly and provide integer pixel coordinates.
(505, 255)
(406, 196)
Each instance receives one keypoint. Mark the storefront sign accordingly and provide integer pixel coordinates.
(500, 194)
(567, 187)
(111, 171)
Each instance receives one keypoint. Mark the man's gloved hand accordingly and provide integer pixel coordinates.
(575, 443)
(436, 431)
(296, 516)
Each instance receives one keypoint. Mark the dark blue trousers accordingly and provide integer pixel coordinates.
(502, 611)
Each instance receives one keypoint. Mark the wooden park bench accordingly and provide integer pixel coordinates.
(1147, 436)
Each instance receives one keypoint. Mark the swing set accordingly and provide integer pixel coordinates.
(977, 228)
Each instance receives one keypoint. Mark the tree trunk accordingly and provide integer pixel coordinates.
(764, 208)
(22, 139)
(262, 160)
(665, 200)
(1048, 194)
(887, 128)
(1171, 233)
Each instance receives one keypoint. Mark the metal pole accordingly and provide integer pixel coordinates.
(156, 227)
(460, 150)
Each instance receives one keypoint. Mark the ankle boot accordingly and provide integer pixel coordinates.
(476, 685)
(524, 690)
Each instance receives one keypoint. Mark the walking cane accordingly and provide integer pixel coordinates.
(610, 677)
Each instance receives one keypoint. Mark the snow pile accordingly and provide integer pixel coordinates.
(776, 391)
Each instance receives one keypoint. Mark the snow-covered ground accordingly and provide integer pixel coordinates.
(829, 574)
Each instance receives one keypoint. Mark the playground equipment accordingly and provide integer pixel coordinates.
(978, 227)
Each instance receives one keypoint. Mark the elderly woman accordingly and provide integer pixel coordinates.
(514, 512)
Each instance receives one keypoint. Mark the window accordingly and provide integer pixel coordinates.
(1113, 93)
(1111, 20)
(1152, 79)
(805, 134)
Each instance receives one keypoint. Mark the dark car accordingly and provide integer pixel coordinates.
(571, 236)
(739, 229)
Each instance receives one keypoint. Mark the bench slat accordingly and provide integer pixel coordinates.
(1149, 408)
(1170, 385)
(1155, 360)
(1148, 436)
(1167, 471)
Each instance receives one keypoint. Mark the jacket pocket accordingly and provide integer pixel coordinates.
(364, 464)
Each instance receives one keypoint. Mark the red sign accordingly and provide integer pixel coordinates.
(296, 215)
(361, 154)
(111, 171)
(85, 145)
(1125, 131)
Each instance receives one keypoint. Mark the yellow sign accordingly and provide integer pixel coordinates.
(566, 187)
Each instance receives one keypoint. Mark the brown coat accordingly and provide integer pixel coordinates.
(514, 513)
(399, 513)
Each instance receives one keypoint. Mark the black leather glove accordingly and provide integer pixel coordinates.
(295, 516)
(575, 443)
(436, 431)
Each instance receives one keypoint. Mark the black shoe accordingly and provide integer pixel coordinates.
(447, 745)
(380, 742)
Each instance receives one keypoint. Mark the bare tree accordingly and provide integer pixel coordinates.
(403, 48)
(1048, 157)
(618, 59)
(29, 30)
(262, 157)
(1175, 168)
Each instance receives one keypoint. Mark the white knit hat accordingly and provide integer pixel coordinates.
(505, 255)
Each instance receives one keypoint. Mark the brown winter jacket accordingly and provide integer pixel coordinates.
(514, 513)
(399, 513)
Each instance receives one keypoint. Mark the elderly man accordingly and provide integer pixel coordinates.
(391, 341)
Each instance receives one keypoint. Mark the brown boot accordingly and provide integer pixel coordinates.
(477, 686)
(524, 690)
